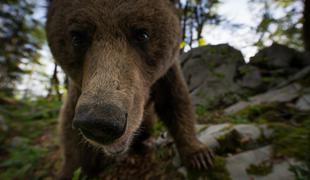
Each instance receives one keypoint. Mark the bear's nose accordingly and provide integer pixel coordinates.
(100, 123)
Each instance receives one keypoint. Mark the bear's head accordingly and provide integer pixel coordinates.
(113, 51)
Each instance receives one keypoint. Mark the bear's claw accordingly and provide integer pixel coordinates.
(202, 159)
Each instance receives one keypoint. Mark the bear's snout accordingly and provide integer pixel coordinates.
(100, 123)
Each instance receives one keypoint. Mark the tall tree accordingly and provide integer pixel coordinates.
(194, 15)
(21, 36)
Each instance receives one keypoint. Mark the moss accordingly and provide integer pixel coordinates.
(218, 171)
(292, 141)
(158, 128)
(272, 112)
(268, 79)
(261, 169)
(239, 120)
(228, 143)
(252, 112)
(305, 81)
(201, 110)
(213, 117)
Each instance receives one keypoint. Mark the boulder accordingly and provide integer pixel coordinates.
(210, 135)
(230, 137)
(285, 94)
(278, 56)
(210, 73)
(250, 77)
(303, 102)
(266, 131)
(247, 132)
(238, 164)
(274, 66)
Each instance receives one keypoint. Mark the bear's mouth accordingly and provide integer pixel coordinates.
(110, 148)
(102, 140)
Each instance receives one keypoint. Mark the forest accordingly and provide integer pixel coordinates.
(247, 67)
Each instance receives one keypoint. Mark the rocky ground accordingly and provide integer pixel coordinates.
(255, 116)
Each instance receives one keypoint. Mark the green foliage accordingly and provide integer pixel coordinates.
(22, 160)
(285, 28)
(261, 169)
(26, 145)
(201, 111)
(37, 109)
(21, 36)
(77, 175)
(158, 128)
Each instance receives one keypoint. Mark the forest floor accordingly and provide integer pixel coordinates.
(30, 147)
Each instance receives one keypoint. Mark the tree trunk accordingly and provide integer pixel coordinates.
(306, 28)
(54, 84)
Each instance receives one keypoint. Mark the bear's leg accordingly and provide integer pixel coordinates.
(173, 105)
(76, 153)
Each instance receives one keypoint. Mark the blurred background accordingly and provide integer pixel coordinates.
(247, 65)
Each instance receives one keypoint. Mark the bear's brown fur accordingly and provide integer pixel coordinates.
(121, 53)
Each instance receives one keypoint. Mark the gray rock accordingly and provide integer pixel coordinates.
(183, 171)
(251, 77)
(216, 130)
(278, 56)
(267, 132)
(285, 94)
(243, 133)
(200, 127)
(247, 132)
(303, 103)
(238, 164)
(279, 171)
(209, 72)
(210, 141)
(279, 65)
(211, 134)
(298, 76)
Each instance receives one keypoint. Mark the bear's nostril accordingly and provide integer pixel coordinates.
(110, 126)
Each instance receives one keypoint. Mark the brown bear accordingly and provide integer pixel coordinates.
(121, 58)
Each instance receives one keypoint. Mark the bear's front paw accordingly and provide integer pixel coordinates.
(200, 159)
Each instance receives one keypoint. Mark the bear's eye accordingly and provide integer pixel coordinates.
(141, 35)
(79, 39)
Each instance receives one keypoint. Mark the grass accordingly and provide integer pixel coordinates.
(30, 140)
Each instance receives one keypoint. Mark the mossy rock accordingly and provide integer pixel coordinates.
(261, 169)
(292, 141)
(217, 172)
